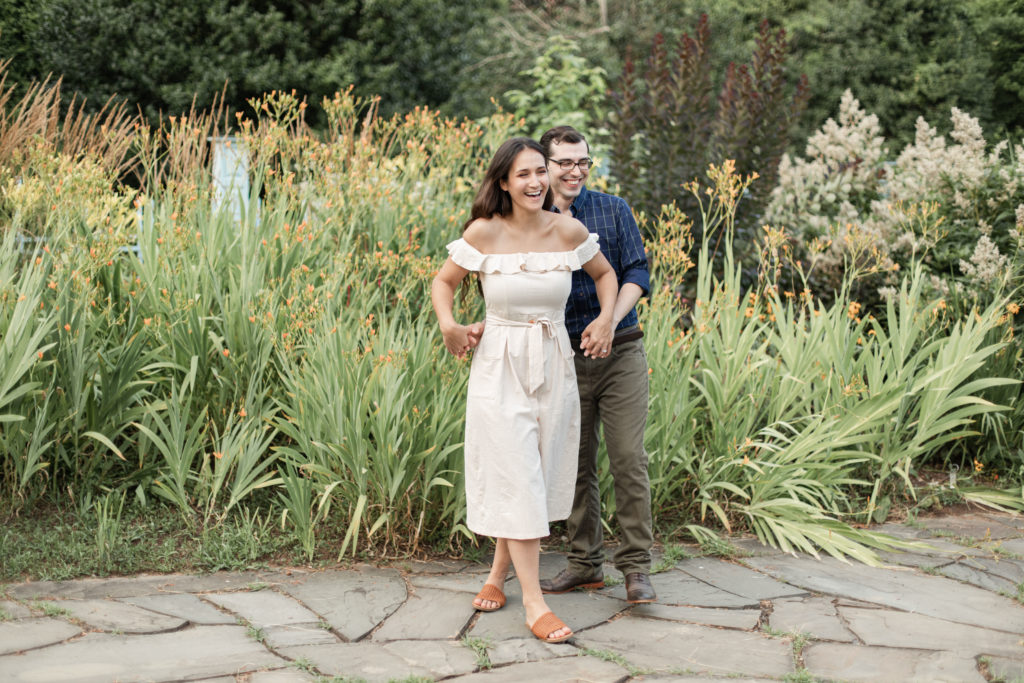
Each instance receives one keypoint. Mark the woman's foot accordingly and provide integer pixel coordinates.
(544, 624)
(550, 629)
(489, 599)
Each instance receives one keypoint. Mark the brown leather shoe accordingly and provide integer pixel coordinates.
(639, 589)
(566, 581)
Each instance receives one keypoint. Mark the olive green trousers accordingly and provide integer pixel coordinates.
(613, 395)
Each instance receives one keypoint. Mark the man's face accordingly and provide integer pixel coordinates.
(568, 183)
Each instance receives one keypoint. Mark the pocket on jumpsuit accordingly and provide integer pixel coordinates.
(486, 370)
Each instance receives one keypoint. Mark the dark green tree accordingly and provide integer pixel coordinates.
(161, 54)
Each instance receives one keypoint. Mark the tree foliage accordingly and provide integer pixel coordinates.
(161, 54)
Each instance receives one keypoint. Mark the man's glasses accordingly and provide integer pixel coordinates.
(567, 164)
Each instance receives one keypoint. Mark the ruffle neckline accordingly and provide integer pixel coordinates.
(466, 256)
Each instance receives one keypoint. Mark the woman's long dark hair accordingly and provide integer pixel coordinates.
(490, 198)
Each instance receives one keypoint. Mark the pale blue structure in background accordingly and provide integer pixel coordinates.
(230, 176)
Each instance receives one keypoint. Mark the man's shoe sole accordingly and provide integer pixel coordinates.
(642, 602)
(584, 586)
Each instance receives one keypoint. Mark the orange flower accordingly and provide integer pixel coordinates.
(749, 312)
(218, 455)
(40, 354)
(146, 321)
(242, 413)
(226, 353)
(67, 327)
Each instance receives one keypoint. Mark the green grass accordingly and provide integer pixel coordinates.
(51, 609)
(614, 657)
(479, 646)
(56, 545)
(720, 547)
(303, 664)
(672, 556)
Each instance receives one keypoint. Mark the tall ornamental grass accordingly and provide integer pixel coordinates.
(281, 360)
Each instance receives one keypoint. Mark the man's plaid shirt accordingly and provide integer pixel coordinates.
(612, 220)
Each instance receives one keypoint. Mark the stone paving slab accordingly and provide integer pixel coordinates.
(1012, 545)
(676, 587)
(519, 650)
(290, 635)
(264, 608)
(84, 589)
(427, 614)
(579, 610)
(116, 617)
(902, 559)
(977, 526)
(745, 619)
(183, 605)
(278, 676)
(564, 669)
(441, 659)
(13, 610)
(846, 662)
(982, 579)
(1002, 668)
(199, 652)
(905, 590)
(26, 634)
(387, 661)
(667, 647)
(353, 602)
(817, 617)
(1010, 569)
(902, 629)
(463, 582)
(737, 579)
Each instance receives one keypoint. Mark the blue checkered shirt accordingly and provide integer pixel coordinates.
(612, 220)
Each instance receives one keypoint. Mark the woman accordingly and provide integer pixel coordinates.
(522, 414)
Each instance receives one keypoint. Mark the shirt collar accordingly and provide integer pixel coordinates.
(577, 204)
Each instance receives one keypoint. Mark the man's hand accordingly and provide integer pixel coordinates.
(596, 340)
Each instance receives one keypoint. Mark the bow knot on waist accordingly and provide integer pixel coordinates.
(537, 327)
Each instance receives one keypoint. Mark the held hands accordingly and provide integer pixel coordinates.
(459, 339)
(596, 340)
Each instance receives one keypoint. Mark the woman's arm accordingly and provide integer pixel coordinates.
(458, 339)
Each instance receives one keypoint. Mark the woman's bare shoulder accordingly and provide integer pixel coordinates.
(481, 233)
(571, 232)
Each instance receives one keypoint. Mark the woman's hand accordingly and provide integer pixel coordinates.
(459, 339)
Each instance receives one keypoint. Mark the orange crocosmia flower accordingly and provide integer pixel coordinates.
(146, 321)
(226, 353)
(242, 413)
(218, 455)
(40, 354)
(67, 327)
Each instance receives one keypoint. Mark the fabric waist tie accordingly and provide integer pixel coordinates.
(538, 328)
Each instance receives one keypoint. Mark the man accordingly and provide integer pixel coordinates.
(612, 382)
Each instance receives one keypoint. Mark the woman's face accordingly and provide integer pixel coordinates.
(527, 181)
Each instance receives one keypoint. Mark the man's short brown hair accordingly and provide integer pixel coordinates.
(559, 135)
